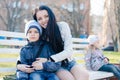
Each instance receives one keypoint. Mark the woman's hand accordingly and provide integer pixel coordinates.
(25, 68)
(41, 60)
(37, 65)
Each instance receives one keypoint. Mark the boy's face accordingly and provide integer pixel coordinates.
(33, 35)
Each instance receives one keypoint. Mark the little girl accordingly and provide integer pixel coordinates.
(95, 60)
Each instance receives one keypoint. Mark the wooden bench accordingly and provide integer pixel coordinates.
(11, 45)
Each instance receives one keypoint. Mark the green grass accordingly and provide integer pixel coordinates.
(4, 74)
(113, 56)
(7, 65)
(2, 55)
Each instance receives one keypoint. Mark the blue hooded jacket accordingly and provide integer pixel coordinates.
(29, 54)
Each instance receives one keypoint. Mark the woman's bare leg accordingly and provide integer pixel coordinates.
(80, 73)
(65, 75)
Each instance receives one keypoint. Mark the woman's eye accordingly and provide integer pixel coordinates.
(39, 19)
(46, 15)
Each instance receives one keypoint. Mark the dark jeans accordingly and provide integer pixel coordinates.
(111, 68)
(22, 75)
(69, 65)
(37, 75)
(43, 76)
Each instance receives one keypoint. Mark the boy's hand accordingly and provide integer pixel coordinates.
(25, 68)
(29, 69)
(37, 65)
(41, 60)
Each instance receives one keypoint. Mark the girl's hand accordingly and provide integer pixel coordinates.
(37, 65)
(106, 60)
(41, 60)
(25, 68)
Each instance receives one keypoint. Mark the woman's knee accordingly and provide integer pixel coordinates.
(65, 75)
(80, 72)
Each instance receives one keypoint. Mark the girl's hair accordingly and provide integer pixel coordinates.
(52, 32)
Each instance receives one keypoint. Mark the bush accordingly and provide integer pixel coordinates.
(10, 77)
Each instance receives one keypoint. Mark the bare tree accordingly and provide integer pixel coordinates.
(72, 14)
(76, 18)
(12, 14)
(117, 12)
(114, 26)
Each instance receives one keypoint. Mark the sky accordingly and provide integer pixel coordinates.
(97, 7)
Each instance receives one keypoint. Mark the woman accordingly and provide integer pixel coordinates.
(59, 36)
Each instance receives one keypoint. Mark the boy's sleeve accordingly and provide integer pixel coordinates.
(22, 59)
(51, 66)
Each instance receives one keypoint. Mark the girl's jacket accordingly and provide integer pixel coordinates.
(30, 52)
(94, 60)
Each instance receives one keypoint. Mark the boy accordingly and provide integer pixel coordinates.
(36, 56)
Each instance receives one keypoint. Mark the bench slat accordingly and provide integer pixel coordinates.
(8, 60)
(13, 42)
(7, 70)
(80, 46)
(95, 75)
(12, 34)
(9, 50)
(79, 40)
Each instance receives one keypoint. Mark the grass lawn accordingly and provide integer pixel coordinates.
(4, 74)
(113, 56)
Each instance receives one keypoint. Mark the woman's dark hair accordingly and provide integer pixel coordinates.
(52, 32)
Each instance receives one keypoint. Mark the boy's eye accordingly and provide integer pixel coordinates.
(29, 31)
(36, 32)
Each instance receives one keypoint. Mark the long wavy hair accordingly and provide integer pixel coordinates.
(52, 32)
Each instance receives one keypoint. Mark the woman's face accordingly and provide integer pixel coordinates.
(42, 18)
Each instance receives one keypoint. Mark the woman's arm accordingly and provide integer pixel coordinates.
(67, 38)
(51, 66)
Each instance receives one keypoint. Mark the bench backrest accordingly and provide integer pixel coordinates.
(13, 41)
